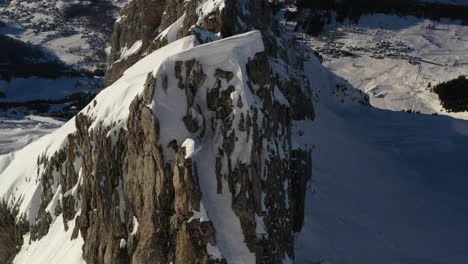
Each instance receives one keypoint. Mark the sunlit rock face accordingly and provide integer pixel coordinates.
(187, 155)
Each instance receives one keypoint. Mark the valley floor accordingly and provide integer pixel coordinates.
(397, 60)
(389, 187)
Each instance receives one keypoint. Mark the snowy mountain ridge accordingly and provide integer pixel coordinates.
(218, 143)
(231, 111)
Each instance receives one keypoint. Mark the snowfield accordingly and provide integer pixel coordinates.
(388, 187)
(18, 168)
(398, 59)
(55, 247)
(111, 107)
(17, 133)
(71, 38)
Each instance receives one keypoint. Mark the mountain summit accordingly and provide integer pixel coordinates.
(187, 156)
(225, 134)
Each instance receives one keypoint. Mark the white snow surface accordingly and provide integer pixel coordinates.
(213, 251)
(19, 178)
(20, 174)
(55, 248)
(393, 83)
(191, 148)
(171, 32)
(231, 54)
(136, 225)
(199, 215)
(17, 133)
(387, 187)
(127, 52)
(113, 103)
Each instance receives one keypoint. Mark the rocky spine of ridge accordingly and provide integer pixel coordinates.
(133, 203)
(146, 20)
(133, 173)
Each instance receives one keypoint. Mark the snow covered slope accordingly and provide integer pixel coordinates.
(201, 153)
(74, 31)
(110, 109)
(397, 60)
(388, 187)
(53, 248)
(216, 97)
(53, 51)
(23, 181)
(15, 134)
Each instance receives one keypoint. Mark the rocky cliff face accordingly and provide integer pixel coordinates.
(158, 22)
(12, 228)
(155, 23)
(188, 158)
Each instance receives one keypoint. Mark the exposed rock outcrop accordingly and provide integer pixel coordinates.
(204, 19)
(157, 23)
(12, 229)
(205, 148)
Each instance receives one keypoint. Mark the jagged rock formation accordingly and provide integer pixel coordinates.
(151, 21)
(158, 22)
(208, 20)
(11, 231)
(188, 157)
